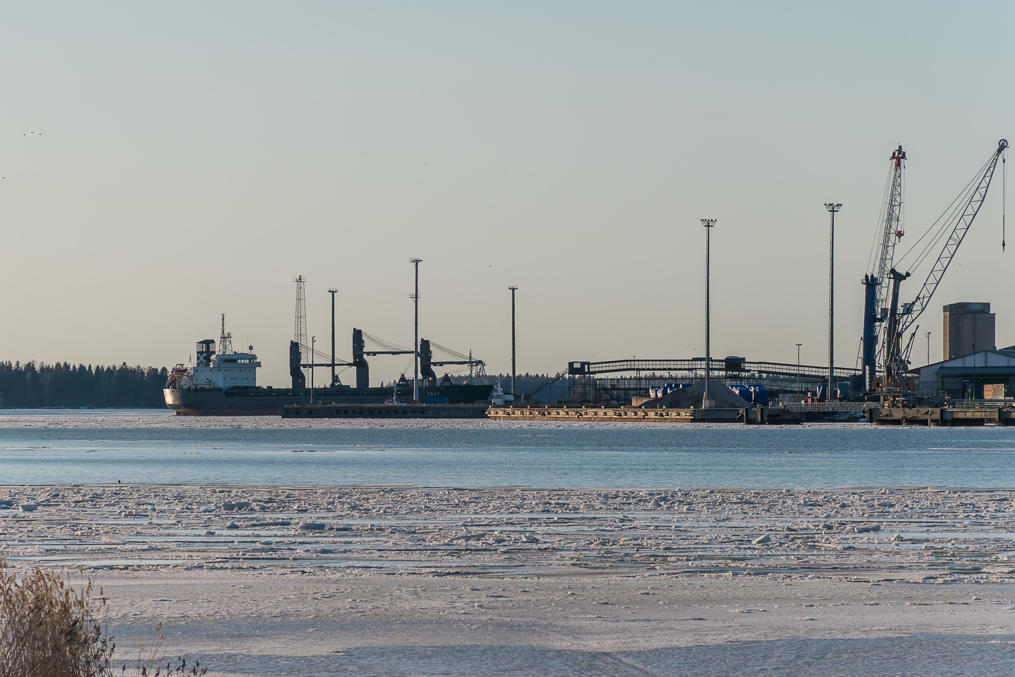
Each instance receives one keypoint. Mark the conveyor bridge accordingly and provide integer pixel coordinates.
(735, 368)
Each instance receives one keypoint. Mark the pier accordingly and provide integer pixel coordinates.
(747, 415)
(972, 415)
(384, 411)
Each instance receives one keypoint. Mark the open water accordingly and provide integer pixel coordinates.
(145, 446)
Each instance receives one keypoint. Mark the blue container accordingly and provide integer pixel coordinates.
(743, 392)
(759, 395)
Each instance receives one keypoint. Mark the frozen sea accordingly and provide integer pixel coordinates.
(423, 581)
(157, 447)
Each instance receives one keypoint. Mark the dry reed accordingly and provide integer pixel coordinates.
(50, 629)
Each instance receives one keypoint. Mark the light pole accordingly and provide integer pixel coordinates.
(709, 224)
(415, 335)
(332, 292)
(513, 289)
(313, 343)
(798, 386)
(832, 207)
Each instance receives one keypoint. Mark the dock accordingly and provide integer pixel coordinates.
(972, 415)
(384, 410)
(748, 415)
(832, 412)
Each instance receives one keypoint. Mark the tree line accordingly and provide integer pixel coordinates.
(31, 385)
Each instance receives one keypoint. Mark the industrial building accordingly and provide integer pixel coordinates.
(973, 367)
(968, 328)
(986, 374)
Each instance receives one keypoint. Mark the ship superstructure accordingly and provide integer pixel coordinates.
(222, 370)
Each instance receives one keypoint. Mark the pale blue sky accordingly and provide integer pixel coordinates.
(195, 157)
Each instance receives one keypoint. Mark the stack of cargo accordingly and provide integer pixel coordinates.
(753, 393)
(656, 392)
(692, 395)
(741, 391)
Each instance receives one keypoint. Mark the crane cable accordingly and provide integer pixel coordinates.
(449, 352)
(944, 223)
(387, 345)
(879, 226)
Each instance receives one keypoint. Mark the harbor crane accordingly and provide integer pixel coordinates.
(892, 342)
(875, 281)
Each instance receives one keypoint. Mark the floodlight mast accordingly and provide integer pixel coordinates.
(415, 336)
(334, 377)
(513, 289)
(709, 224)
(832, 208)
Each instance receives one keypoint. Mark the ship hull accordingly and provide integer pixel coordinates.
(269, 401)
(259, 401)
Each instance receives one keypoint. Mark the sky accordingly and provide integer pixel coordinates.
(164, 163)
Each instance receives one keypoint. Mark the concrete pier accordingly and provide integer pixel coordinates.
(976, 415)
(384, 411)
(749, 415)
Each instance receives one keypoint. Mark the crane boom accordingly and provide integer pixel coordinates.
(892, 231)
(877, 280)
(955, 238)
(895, 357)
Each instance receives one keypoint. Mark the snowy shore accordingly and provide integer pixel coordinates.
(407, 580)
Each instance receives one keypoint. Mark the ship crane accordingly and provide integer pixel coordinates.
(427, 363)
(951, 228)
(360, 353)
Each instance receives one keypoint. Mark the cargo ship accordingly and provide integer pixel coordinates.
(225, 384)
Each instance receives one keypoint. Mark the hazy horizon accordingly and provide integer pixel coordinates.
(166, 163)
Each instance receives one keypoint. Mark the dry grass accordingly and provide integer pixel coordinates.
(49, 629)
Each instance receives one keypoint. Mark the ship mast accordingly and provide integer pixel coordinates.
(225, 339)
(300, 323)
